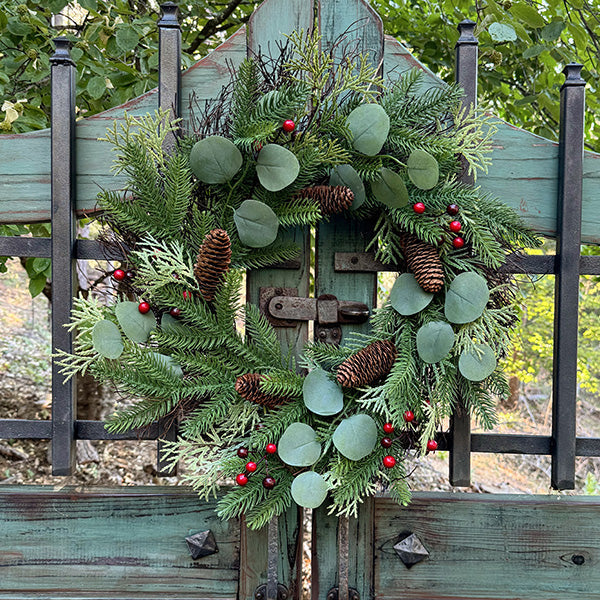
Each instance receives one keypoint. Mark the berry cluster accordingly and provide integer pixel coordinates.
(454, 226)
(251, 466)
(409, 417)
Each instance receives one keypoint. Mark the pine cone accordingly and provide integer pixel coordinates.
(248, 387)
(367, 365)
(423, 261)
(212, 263)
(331, 199)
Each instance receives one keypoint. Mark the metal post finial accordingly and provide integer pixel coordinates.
(169, 15)
(62, 51)
(572, 73)
(466, 29)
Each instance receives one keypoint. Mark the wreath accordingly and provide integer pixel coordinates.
(289, 142)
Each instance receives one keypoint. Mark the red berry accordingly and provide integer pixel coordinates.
(432, 445)
(144, 307)
(388, 428)
(187, 295)
(288, 126)
(175, 312)
(119, 274)
(455, 226)
(409, 416)
(386, 442)
(458, 242)
(271, 448)
(419, 208)
(242, 452)
(241, 479)
(268, 483)
(452, 209)
(251, 467)
(389, 462)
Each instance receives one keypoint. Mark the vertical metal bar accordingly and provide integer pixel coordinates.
(343, 552)
(566, 295)
(272, 557)
(466, 77)
(169, 98)
(64, 405)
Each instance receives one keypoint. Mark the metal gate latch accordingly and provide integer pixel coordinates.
(284, 308)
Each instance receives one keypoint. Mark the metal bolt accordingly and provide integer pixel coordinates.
(334, 333)
(279, 306)
(322, 334)
(577, 559)
(354, 260)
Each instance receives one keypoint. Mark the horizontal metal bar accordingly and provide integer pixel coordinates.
(12, 429)
(587, 447)
(95, 430)
(24, 246)
(511, 443)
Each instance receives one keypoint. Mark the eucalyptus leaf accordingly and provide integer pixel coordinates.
(276, 167)
(135, 325)
(322, 395)
(170, 324)
(346, 175)
(370, 125)
(476, 365)
(501, 32)
(256, 224)
(389, 189)
(423, 169)
(434, 341)
(215, 159)
(106, 339)
(356, 436)
(466, 298)
(169, 363)
(298, 446)
(407, 297)
(309, 489)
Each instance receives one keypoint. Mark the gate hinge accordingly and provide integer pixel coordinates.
(284, 308)
(334, 594)
(261, 592)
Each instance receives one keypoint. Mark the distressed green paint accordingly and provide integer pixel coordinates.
(112, 543)
(492, 547)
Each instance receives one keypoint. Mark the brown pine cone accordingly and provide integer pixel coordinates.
(212, 262)
(248, 387)
(423, 261)
(367, 365)
(331, 199)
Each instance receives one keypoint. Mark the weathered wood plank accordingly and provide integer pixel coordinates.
(112, 543)
(493, 547)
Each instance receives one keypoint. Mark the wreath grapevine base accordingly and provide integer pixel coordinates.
(290, 142)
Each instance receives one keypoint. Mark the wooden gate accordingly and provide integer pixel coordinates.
(131, 542)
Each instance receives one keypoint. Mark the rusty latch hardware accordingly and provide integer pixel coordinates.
(334, 594)
(284, 308)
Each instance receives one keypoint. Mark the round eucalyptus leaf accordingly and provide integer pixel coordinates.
(423, 169)
(407, 297)
(298, 446)
(389, 189)
(309, 489)
(502, 32)
(322, 395)
(369, 125)
(434, 340)
(276, 167)
(135, 325)
(106, 339)
(215, 159)
(466, 298)
(346, 175)
(356, 436)
(256, 224)
(168, 363)
(170, 324)
(476, 365)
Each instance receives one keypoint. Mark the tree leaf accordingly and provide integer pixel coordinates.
(389, 189)
(356, 436)
(309, 489)
(407, 297)
(466, 298)
(347, 176)
(529, 15)
(502, 32)
(135, 325)
(476, 365)
(552, 31)
(370, 125)
(423, 169)
(106, 339)
(276, 167)
(321, 394)
(535, 50)
(37, 284)
(215, 159)
(298, 446)
(96, 87)
(127, 37)
(256, 223)
(168, 362)
(434, 341)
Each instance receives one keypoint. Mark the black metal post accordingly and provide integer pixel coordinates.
(64, 405)
(566, 295)
(169, 98)
(466, 77)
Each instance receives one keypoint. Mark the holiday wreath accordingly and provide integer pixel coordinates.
(290, 142)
